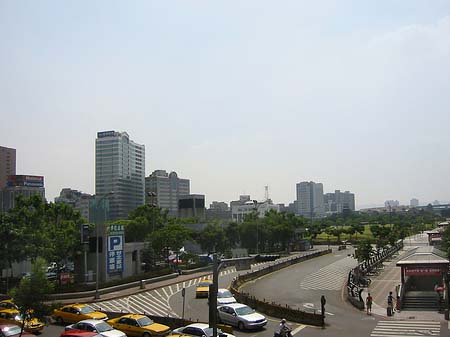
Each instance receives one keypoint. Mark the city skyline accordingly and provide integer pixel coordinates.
(234, 97)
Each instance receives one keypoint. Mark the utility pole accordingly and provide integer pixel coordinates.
(213, 295)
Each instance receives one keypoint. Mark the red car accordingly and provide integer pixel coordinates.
(79, 333)
(12, 330)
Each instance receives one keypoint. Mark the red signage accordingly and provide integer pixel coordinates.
(423, 271)
(65, 278)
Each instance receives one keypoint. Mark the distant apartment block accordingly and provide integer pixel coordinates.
(78, 200)
(7, 165)
(339, 201)
(391, 203)
(218, 210)
(244, 206)
(119, 173)
(164, 190)
(310, 200)
(414, 202)
(25, 185)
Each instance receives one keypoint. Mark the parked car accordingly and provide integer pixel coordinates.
(224, 296)
(73, 313)
(12, 330)
(95, 325)
(79, 333)
(241, 315)
(202, 289)
(139, 325)
(200, 330)
(13, 316)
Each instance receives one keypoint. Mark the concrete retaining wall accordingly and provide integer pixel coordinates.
(274, 309)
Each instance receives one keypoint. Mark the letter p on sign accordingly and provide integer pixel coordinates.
(115, 243)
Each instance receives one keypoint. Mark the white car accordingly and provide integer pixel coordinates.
(240, 315)
(98, 326)
(200, 330)
(224, 296)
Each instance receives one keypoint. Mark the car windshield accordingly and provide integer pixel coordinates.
(209, 332)
(102, 327)
(143, 321)
(244, 311)
(224, 294)
(86, 310)
(11, 330)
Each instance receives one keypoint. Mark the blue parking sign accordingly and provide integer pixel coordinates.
(115, 254)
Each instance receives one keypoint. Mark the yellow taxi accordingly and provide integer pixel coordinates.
(202, 289)
(12, 316)
(139, 325)
(73, 313)
(8, 304)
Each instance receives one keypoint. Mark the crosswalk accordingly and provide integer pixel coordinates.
(152, 302)
(330, 277)
(406, 329)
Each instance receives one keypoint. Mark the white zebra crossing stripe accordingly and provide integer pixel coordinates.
(406, 329)
(330, 277)
(154, 302)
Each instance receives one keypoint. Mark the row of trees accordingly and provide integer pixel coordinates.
(34, 228)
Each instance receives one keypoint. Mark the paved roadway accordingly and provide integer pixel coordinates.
(299, 286)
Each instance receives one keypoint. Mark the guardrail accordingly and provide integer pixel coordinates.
(271, 308)
(358, 277)
(91, 293)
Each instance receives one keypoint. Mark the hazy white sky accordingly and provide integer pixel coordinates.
(234, 95)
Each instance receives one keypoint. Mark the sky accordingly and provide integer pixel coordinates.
(234, 95)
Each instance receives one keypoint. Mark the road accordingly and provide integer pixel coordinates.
(299, 286)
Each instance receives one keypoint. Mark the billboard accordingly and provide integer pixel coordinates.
(23, 180)
(115, 252)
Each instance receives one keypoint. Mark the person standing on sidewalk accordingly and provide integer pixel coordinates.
(390, 303)
(369, 304)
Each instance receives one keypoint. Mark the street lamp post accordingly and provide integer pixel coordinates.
(97, 269)
(255, 202)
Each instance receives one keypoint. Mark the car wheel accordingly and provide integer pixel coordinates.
(59, 321)
(241, 326)
(146, 334)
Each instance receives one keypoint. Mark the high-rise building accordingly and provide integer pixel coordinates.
(119, 172)
(7, 165)
(21, 185)
(78, 200)
(339, 201)
(310, 201)
(414, 202)
(164, 190)
(391, 203)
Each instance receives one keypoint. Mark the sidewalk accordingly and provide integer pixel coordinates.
(385, 282)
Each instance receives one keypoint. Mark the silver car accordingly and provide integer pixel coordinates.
(224, 296)
(200, 330)
(240, 315)
(98, 326)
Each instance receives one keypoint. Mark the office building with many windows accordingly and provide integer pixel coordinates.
(164, 190)
(7, 165)
(339, 201)
(119, 172)
(310, 201)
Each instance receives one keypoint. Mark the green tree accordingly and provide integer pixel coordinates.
(170, 237)
(32, 292)
(364, 250)
(144, 220)
(212, 239)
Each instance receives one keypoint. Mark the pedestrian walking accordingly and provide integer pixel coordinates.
(390, 303)
(369, 304)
